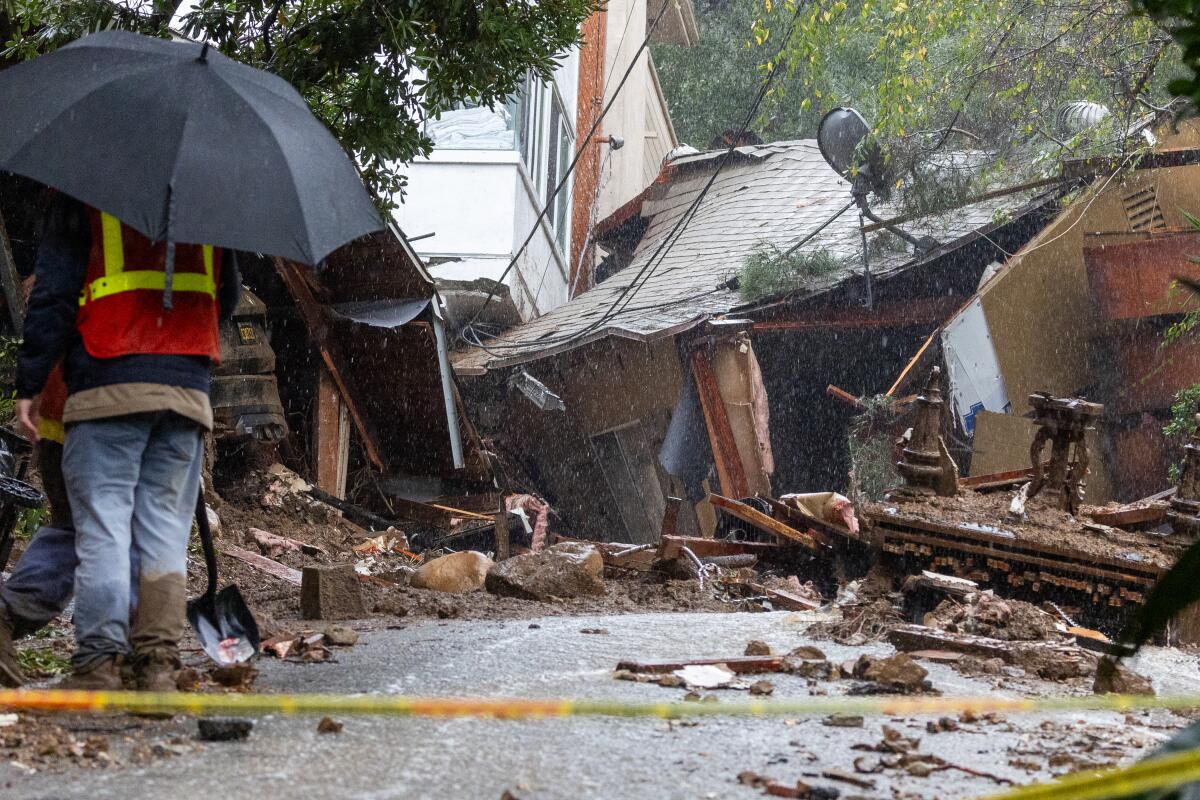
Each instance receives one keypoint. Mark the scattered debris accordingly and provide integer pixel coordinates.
(758, 648)
(762, 688)
(235, 676)
(843, 721)
(329, 725)
(706, 676)
(984, 614)
(898, 673)
(224, 729)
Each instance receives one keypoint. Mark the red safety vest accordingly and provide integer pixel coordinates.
(121, 306)
(50, 406)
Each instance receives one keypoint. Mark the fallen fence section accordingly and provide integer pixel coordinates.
(521, 708)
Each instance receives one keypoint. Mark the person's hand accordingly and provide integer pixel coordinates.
(25, 422)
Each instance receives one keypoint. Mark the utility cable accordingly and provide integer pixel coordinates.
(570, 169)
(664, 246)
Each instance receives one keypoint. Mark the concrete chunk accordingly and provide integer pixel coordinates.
(331, 593)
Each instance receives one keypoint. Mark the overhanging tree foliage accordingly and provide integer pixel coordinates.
(371, 69)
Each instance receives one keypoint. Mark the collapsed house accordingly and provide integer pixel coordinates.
(1081, 311)
(671, 384)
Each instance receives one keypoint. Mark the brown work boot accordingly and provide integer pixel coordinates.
(156, 670)
(102, 675)
(10, 668)
(157, 629)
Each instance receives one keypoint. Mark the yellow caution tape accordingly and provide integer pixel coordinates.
(520, 708)
(1161, 772)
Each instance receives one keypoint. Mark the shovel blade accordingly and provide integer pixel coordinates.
(225, 627)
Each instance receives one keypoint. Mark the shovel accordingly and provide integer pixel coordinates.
(222, 620)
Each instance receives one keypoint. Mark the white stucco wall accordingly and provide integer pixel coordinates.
(639, 115)
(481, 204)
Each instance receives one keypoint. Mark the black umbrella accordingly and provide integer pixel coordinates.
(184, 145)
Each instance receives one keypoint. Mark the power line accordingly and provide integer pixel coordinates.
(664, 246)
(570, 168)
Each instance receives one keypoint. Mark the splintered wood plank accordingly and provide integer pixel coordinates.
(730, 471)
(310, 312)
(786, 600)
(761, 520)
(261, 563)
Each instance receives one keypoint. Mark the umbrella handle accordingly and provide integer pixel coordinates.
(206, 543)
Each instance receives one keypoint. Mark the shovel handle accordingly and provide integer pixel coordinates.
(206, 543)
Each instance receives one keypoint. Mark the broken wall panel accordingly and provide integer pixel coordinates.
(1133, 277)
(1039, 307)
(739, 380)
(972, 369)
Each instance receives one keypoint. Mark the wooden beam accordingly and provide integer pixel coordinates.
(912, 362)
(730, 471)
(921, 310)
(10, 281)
(761, 520)
(310, 312)
(327, 437)
(671, 547)
(262, 563)
(789, 601)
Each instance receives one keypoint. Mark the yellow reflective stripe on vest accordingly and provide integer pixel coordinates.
(116, 279)
(51, 429)
(152, 279)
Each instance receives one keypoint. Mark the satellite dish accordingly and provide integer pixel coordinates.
(839, 137)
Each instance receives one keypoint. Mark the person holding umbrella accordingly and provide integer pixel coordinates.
(168, 156)
(137, 375)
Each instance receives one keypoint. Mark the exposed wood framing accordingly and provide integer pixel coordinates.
(310, 312)
(730, 471)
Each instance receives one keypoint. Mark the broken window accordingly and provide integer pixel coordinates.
(626, 456)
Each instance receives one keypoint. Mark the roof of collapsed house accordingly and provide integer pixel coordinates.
(775, 194)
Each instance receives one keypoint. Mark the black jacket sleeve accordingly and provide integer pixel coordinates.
(60, 270)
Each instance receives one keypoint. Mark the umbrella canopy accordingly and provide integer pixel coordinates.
(184, 145)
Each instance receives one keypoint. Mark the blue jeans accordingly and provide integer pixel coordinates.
(40, 585)
(133, 482)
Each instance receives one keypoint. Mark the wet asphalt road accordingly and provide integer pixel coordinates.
(567, 759)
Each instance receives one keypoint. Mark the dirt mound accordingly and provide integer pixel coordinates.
(984, 614)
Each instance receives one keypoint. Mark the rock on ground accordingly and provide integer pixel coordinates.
(568, 569)
(457, 572)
